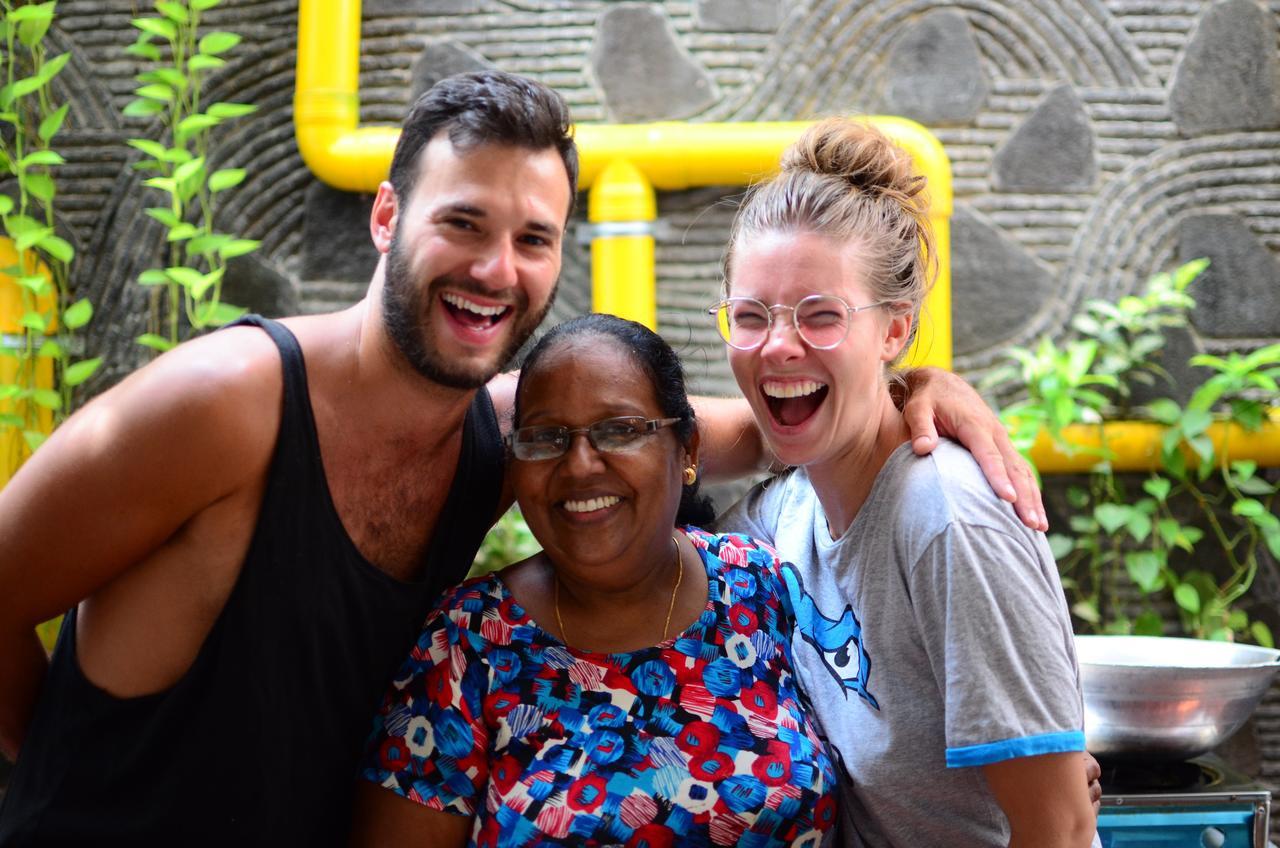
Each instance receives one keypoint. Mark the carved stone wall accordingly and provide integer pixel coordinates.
(1094, 142)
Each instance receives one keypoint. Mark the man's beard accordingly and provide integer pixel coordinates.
(404, 316)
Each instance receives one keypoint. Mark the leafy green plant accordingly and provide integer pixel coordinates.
(1123, 541)
(190, 285)
(38, 365)
(510, 540)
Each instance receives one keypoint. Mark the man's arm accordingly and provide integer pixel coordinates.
(116, 482)
(939, 402)
(1046, 799)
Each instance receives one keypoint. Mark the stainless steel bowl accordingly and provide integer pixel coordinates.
(1155, 696)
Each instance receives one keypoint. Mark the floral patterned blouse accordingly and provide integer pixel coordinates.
(702, 740)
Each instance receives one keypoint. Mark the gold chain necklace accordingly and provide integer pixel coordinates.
(675, 591)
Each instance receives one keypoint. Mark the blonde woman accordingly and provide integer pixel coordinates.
(932, 634)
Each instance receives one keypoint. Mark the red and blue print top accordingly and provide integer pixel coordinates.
(702, 740)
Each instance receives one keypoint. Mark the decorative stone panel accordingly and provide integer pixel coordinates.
(643, 71)
(934, 72)
(1051, 150)
(1238, 295)
(1229, 77)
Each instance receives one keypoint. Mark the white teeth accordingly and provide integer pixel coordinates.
(792, 390)
(592, 504)
(471, 306)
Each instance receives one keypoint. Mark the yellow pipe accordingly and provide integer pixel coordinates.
(13, 447)
(674, 156)
(622, 264)
(326, 100)
(1136, 445)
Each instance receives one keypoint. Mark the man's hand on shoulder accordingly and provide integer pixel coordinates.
(941, 402)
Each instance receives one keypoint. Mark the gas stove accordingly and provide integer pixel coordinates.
(1198, 803)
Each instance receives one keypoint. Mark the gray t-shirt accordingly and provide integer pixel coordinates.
(932, 637)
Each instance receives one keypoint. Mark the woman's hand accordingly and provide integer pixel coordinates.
(941, 402)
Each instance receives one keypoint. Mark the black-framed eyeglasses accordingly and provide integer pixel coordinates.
(821, 320)
(612, 435)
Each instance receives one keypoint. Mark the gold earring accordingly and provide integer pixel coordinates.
(690, 475)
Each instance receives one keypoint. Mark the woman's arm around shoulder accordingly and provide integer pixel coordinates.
(385, 819)
(424, 771)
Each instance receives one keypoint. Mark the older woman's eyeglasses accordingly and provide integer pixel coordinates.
(612, 435)
(821, 320)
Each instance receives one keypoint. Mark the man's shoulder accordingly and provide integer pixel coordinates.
(221, 390)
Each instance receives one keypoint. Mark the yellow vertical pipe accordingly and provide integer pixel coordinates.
(13, 447)
(933, 340)
(621, 207)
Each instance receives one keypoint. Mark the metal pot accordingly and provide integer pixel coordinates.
(1155, 696)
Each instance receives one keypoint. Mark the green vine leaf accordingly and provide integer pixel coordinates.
(201, 62)
(41, 186)
(1112, 516)
(32, 321)
(231, 110)
(1187, 598)
(217, 314)
(238, 247)
(153, 277)
(218, 42)
(155, 342)
(78, 314)
(34, 439)
(40, 157)
(30, 238)
(1148, 624)
(144, 50)
(184, 276)
(156, 91)
(164, 216)
(53, 122)
(53, 67)
(58, 247)
(143, 108)
(47, 398)
(182, 232)
(1144, 569)
(225, 179)
(1261, 634)
(158, 27)
(175, 12)
(165, 76)
(81, 371)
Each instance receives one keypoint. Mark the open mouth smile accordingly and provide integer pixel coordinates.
(472, 314)
(793, 402)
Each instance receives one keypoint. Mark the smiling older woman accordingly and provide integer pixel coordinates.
(632, 684)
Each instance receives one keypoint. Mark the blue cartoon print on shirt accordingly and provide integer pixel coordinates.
(838, 642)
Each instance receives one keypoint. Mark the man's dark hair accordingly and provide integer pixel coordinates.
(485, 107)
(659, 362)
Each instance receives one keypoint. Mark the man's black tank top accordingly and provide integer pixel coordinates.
(258, 743)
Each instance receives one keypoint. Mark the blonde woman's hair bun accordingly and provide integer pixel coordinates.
(859, 154)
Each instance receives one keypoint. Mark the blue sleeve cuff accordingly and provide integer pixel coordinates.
(1008, 749)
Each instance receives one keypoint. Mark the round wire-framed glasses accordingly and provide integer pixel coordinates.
(821, 320)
